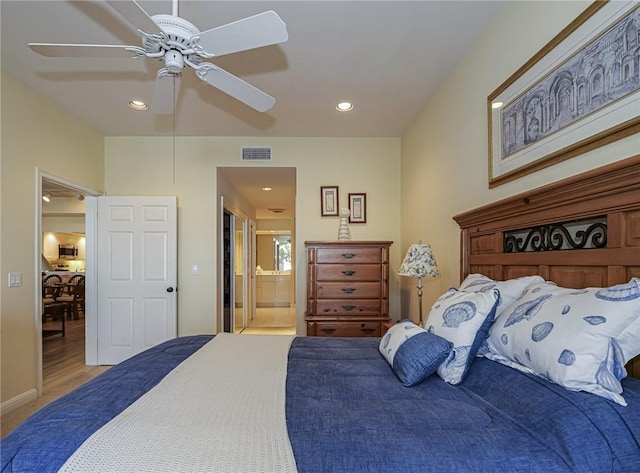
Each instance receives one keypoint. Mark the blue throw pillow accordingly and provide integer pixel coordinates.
(413, 353)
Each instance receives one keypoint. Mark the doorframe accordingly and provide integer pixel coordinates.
(246, 286)
(91, 336)
(250, 258)
(245, 280)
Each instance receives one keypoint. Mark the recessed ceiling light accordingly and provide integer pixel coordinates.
(138, 105)
(497, 104)
(267, 189)
(344, 106)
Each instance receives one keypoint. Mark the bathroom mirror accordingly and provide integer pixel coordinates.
(273, 250)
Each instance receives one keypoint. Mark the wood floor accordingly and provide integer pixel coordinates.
(64, 368)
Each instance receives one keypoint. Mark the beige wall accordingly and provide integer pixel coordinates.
(444, 153)
(370, 165)
(35, 133)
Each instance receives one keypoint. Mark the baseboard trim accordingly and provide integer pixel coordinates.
(18, 401)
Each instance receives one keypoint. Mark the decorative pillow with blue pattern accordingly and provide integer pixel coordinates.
(413, 353)
(464, 319)
(510, 290)
(578, 338)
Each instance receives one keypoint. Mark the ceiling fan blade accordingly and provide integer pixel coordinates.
(165, 93)
(136, 16)
(84, 50)
(255, 31)
(236, 87)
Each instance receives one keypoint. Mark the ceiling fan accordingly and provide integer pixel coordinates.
(178, 43)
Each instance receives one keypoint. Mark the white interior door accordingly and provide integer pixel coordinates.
(137, 275)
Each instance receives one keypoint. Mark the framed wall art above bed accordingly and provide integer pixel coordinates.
(579, 92)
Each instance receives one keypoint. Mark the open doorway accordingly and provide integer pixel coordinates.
(63, 260)
(62, 255)
(262, 245)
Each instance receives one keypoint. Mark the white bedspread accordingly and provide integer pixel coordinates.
(221, 410)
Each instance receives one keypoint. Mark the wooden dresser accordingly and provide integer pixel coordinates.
(347, 288)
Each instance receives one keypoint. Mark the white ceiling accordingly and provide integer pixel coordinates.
(387, 57)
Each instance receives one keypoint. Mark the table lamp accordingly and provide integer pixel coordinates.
(419, 262)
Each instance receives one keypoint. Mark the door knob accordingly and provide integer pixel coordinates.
(169, 289)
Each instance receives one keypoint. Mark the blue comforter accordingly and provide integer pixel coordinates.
(347, 412)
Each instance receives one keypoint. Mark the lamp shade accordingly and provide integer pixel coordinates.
(419, 262)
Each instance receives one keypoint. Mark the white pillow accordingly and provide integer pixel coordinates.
(464, 319)
(579, 339)
(510, 290)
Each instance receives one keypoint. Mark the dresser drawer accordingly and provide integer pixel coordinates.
(348, 255)
(348, 290)
(347, 329)
(348, 272)
(345, 307)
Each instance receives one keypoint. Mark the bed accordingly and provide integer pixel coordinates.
(341, 405)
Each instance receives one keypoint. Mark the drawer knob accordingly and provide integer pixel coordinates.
(348, 290)
(367, 330)
(348, 307)
(328, 330)
(348, 272)
(348, 255)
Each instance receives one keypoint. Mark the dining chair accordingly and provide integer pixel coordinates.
(74, 295)
(51, 288)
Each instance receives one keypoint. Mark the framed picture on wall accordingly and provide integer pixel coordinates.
(358, 208)
(329, 201)
(578, 93)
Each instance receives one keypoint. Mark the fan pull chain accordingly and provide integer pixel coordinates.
(173, 119)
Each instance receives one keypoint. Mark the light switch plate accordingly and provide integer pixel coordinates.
(15, 279)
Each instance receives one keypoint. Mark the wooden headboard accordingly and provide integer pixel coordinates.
(583, 231)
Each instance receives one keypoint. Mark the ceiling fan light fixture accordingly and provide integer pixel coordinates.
(344, 107)
(174, 61)
(138, 105)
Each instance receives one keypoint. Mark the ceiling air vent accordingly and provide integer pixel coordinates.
(256, 153)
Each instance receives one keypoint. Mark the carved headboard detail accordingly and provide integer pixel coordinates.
(604, 202)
